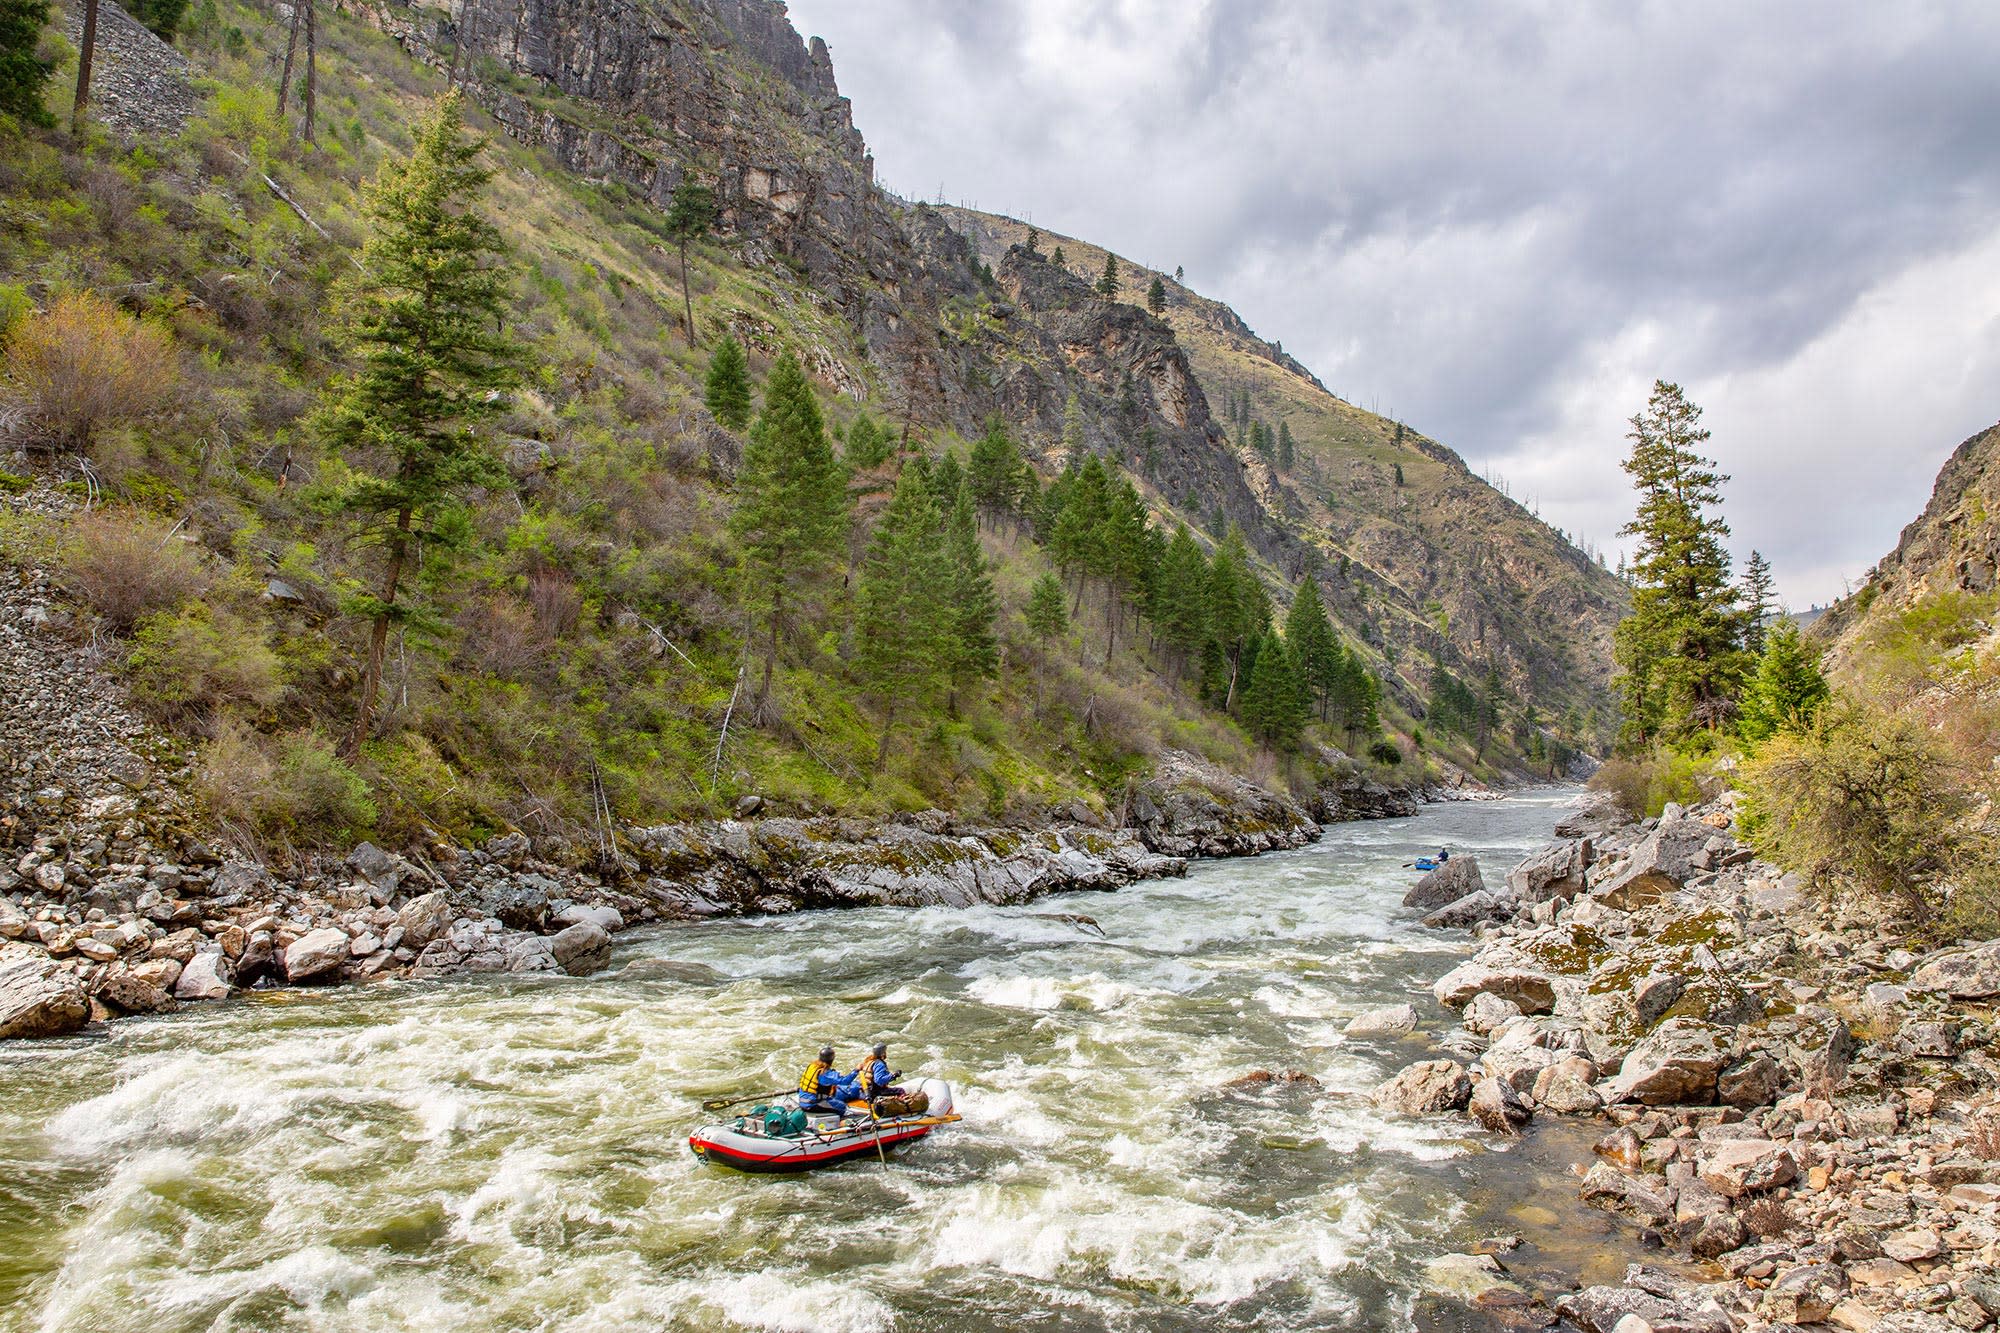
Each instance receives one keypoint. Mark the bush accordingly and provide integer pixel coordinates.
(1865, 806)
(1384, 752)
(127, 567)
(203, 660)
(1645, 785)
(293, 787)
(83, 367)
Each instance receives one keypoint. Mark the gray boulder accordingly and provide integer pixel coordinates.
(316, 955)
(40, 998)
(581, 949)
(1738, 1167)
(1426, 1088)
(1749, 1084)
(207, 976)
(1473, 908)
(520, 905)
(1487, 1012)
(1497, 1108)
(424, 918)
(131, 993)
(1963, 974)
(1394, 1020)
(1556, 873)
(1675, 1066)
(1658, 866)
(607, 918)
(472, 947)
(1451, 881)
(1529, 989)
(1805, 1295)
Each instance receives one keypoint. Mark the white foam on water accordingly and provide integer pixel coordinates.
(790, 1303)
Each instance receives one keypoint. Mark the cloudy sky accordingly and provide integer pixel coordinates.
(1502, 222)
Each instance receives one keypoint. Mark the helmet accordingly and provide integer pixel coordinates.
(826, 1054)
(880, 1048)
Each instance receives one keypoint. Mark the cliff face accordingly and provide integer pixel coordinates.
(1953, 546)
(1417, 556)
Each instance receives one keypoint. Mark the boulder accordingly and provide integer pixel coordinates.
(1470, 910)
(1749, 1084)
(1497, 1108)
(40, 998)
(384, 870)
(1675, 1066)
(316, 955)
(1564, 1088)
(129, 993)
(1394, 1020)
(1805, 1295)
(472, 946)
(606, 918)
(582, 949)
(1736, 1168)
(1963, 974)
(1487, 1012)
(1911, 1244)
(522, 904)
(1717, 1234)
(1554, 874)
(1426, 1088)
(509, 849)
(1658, 866)
(207, 976)
(1451, 881)
(424, 918)
(1530, 990)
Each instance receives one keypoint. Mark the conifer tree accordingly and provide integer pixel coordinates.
(1179, 273)
(1120, 551)
(1315, 650)
(973, 608)
(728, 388)
(1107, 282)
(1238, 609)
(691, 215)
(1788, 689)
(1358, 698)
(1059, 259)
(902, 615)
(1275, 705)
(426, 315)
(1183, 601)
(1680, 649)
(994, 476)
(867, 444)
(23, 77)
(790, 523)
(1287, 449)
(946, 479)
(1757, 602)
(1048, 612)
(1074, 541)
(1156, 296)
(1034, 239)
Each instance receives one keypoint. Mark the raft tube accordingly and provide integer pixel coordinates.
(743, 1146)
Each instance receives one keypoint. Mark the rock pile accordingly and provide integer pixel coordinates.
(1809, 1105)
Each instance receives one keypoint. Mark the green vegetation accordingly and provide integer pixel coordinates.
(24, 76)
(727, 390)
(691, 215)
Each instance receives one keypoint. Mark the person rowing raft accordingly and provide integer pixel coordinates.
(874, 1077)
(821, 1088)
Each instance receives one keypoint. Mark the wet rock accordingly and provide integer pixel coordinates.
(1749, 1084)
(748, 807)
(1676, 1066)
(132, 994)
(1740, 1167)
(1497, 1108)
(1532, 991)
(1471, 910)
(1455, 879)
(472, 947)
(1600, 1310)
(1623, 1148)
(1190, 807)
(1394, 1020)
(1427, 1088)
(424, 918)
(582, 949)
(1264, 1078)
(40, 998)
(206, 976)
(1963, 974)
(1805, 1295)
(316, 956)
(670, 969)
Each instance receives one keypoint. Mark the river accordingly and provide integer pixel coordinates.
(511, 1153)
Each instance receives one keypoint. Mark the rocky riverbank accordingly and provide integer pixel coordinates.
(1802, 1105)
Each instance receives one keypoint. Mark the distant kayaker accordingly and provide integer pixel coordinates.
(822, 1088)
(874, 1075)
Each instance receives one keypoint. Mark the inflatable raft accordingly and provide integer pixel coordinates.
(778, 1138)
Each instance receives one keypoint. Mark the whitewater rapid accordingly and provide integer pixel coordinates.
(510, 1153)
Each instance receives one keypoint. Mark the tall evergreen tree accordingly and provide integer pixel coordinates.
(1680, 649)
(1238, 609)
(1757, 603)
(1120, 552)
(1034, 239)
(1059, 259)
(1073, 439)
(23, 77)
(994, 475)
(1048, 611)
(1287, 448)
(974, 610)
(946, 479)
(1107, 281)
(426, 315)
(867, 444)
(1315, 650)
(1085, 503)
(1182, 614)
(728, 388)
(1358, 697)
(1275, 705)
(902, 614)
(691, 216)
(1788, 689)
(1156, 296)
(790, 523)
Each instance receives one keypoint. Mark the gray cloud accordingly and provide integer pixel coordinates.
(1502, 222)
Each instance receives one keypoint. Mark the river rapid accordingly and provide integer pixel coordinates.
(511, 1153)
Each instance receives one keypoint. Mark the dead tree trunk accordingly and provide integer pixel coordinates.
(291, 49)
(312, 71)
(83, 59)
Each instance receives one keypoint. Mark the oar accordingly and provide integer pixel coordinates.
(723, 1103)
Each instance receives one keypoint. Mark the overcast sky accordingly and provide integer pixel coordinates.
(1501, 222)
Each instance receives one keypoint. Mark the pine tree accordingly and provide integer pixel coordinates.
(946, 479)
(1074, 541)
(1315, 650)
(1120, 552)
(1059, 259)
(790, 523)
(163, 17)
(1035, 239)
(1238, 609)
(1156, 296)
(1757, 604)
(1359, 696)
(427, 317)
(974, 609)
(903, 615)
(994, 475)
(728, 388)
(1048, 611)
(1275, 706)
(867, 444)
(1787, 690)
(1179, 273)
(1680, 649)
(23, 78)
(1182, 614)
(1399, 474)
(1072, 432)
(1107, 282)
(691, 215)
(1287, 449)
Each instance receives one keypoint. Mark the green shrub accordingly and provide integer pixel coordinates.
(203, 660)
(1384, 752)
(128, 566)
(1644, 786)
(292, 787)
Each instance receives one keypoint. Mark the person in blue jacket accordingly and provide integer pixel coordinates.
(823, 1088)
(874, 1076)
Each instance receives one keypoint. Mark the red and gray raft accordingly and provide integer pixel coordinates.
(827, 1141)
